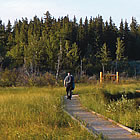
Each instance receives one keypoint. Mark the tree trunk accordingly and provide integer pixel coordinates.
(81, 68)
(103, 68)
(116, 65)
(59, 61)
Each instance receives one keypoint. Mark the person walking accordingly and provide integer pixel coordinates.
(68, 84)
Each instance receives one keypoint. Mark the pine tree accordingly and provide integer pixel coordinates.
(74, 30)
(104, 56)
(110, 36)
(48, 22)
(8, 28)
(37, 27)
(37, 44)
(121, 30)
(98, 32)
(120, 50)
(81, 39)
(126, 39)
(86, 36)
(2, 42)
(134, 26)
(70, 56)
(133, 55)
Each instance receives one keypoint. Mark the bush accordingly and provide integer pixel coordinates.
(23, 78)
(44, 80)
(83, 79)
(92, 79)
(123, 105)
(8, 78)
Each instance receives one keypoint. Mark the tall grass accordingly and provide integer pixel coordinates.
(115, 101)
(36, 114)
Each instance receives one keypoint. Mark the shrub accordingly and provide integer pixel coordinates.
(8, 78)
(42, 80)
(83, 79)
(92, 79)
(50, 79)
(123, 105)
(19, 77)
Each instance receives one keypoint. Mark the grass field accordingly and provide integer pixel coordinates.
(120, 102)
(36, 114)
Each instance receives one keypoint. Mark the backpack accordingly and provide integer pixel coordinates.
(72, 82)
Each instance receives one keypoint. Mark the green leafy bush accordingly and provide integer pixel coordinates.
(8, 78)
(45, 80)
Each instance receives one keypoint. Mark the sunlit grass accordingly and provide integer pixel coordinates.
(36, 113)
(111, 101)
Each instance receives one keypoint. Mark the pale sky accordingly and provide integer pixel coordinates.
(118, 9)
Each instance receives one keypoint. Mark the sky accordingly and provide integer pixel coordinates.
(117, 9)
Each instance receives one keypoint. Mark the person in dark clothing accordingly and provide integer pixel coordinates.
(68, 85)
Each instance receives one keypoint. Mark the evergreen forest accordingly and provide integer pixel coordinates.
(60, 45)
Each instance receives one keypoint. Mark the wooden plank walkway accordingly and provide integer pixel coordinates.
(96, 123)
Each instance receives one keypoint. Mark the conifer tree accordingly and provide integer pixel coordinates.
(8, 28)
(74, 30)
(104, 57)
(134, 26)
(126, 39)
(119, 50)
(2, 43)
(86, 36)
(98, 21)
(36, 44)
(133, 40)
(121, 30)
(48, 22)
(81, 38)
(110, 35)
(70, 56)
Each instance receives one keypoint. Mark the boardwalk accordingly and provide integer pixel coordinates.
(96, 123)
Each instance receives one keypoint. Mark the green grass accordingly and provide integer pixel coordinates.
(119, 102)
(36, 114)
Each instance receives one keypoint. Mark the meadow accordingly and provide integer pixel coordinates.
(36, 114)
(120, 102)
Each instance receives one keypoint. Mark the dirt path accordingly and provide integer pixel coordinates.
(96, 123)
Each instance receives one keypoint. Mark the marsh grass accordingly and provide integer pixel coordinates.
(119, 102)
(36, 114)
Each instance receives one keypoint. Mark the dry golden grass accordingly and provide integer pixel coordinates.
(36, 114)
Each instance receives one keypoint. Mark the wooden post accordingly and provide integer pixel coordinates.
(101, 77)
(117, 77)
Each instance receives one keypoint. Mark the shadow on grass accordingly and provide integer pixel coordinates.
(129, 95)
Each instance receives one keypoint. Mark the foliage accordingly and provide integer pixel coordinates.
(8, 78)
(83, 79)
(119, 50)
(21, 78)
(35, 44)
(45, 80)
(103, 56)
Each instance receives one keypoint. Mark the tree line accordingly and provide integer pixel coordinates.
(60, 45)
